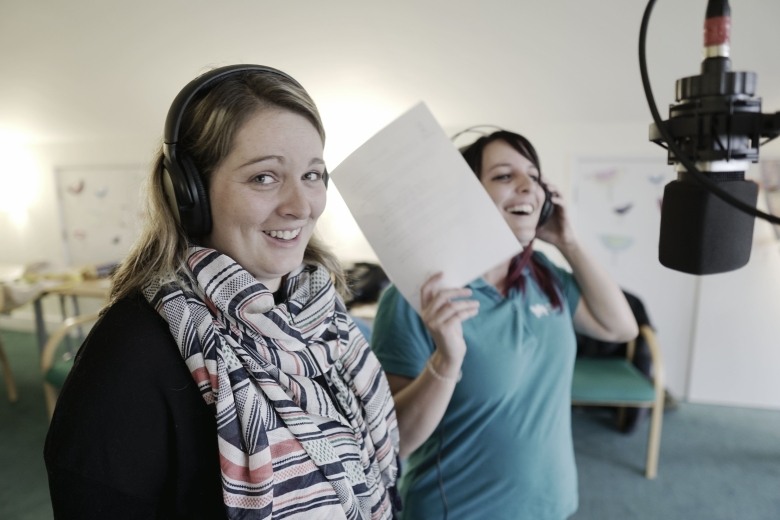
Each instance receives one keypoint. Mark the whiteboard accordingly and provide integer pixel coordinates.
(616, 211)
(100, 211)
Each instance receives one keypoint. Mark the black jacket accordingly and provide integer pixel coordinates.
(131, 436)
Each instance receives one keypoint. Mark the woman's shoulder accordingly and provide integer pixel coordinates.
(397, 323)
(390, 292)
(133, 306)
(131, 329)
(539, 256)
(560, 270)
(393, 304)
(132, 312)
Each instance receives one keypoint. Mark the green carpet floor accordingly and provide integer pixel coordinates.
(24, 494)
(717, 463)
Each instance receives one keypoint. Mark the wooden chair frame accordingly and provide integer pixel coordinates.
(656, 405)
(10, 383)
(50, 350)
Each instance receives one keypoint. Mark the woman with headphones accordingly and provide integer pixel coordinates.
(225, 379)
(482, 377)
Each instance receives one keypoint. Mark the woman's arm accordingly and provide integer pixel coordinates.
(603, 312)
(420, 403)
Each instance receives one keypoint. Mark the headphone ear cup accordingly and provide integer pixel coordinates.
(198, 217)
(547, 206)
(186, 193)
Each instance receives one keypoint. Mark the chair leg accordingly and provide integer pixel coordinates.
(10, 384)
(50, 395)
(654, 440)
(621, 417)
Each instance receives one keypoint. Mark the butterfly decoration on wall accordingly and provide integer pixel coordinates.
(76, 188)
(624, 209)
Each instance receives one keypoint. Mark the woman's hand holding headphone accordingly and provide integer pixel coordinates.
(557, 230)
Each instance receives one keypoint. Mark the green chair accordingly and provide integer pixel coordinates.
(616, 382)
(56, 364)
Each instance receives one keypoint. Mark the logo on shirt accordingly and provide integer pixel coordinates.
(540, 309)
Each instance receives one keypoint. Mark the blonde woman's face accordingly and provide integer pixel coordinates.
(267, 194)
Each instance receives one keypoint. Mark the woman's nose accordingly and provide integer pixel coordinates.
(524, 183)
(294, 201)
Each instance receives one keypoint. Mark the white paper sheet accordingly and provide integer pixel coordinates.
(421, 207)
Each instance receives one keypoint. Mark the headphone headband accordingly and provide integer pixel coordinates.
(205, 80)
(476, 130)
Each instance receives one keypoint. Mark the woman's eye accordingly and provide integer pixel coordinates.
(312, 176)
(262, 178)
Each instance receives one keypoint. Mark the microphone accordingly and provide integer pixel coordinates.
(712, 133)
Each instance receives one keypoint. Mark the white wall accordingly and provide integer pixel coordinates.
(34, 233)
(735, 357)
(91, 82)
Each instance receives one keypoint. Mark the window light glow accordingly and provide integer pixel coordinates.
(19, 180)
(350, 120)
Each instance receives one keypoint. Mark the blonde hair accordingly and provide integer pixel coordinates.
(208, 129)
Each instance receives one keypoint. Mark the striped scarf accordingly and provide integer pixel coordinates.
(305, 419)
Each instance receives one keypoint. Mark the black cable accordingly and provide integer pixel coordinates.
(678, 153)
(442, 492)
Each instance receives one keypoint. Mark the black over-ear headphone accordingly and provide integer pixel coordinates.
(547, 206)
(181, 180)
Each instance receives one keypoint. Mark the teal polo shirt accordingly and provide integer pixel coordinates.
(503, 449)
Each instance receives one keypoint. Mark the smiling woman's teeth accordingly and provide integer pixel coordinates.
(284, 235)
(525, 209)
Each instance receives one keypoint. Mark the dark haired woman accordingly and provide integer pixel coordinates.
(481, 379)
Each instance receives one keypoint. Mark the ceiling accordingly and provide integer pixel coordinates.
(96, 70)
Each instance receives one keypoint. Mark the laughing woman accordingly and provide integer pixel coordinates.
(225, 379)
(482, 378)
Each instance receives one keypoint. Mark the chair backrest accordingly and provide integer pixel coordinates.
(54, 368)
(68, 325)
(637, 350)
